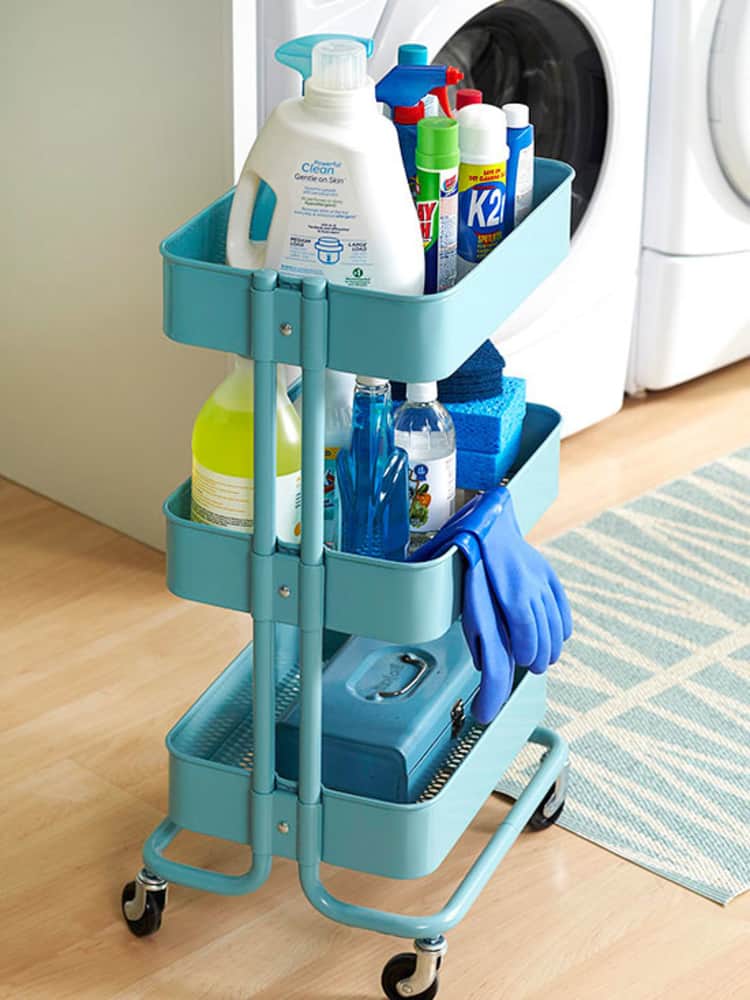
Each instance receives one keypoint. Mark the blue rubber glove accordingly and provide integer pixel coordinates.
(485, 634)
(523, 585)
(482, 622)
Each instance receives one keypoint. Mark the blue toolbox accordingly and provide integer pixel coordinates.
(391, 713)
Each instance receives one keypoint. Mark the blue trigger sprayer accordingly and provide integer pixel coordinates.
(297, 55)
(403, 90)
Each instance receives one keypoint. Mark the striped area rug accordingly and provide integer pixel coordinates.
(653, 691)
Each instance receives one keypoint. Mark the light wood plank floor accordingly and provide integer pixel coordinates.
(98, 660)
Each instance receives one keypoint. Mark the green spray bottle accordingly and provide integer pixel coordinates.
(437, 160)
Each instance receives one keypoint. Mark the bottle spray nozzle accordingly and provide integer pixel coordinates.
(297, 53)
(405, 85)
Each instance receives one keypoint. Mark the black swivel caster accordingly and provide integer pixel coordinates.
(143, 903)
(414, 976)
(549, 810)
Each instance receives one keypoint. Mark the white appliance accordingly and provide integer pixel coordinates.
(583, 67)
(694, 304)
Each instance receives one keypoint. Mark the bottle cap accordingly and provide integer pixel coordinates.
(422, 392)
(339, 64)
(371, 381)
(482, 134)
(467, 96)
(297, 53)
(437, 142)
(409, 116)
(517, 115)
(412, 54)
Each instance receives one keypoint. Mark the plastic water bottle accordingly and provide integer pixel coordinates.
(424, 429)
(373, 478)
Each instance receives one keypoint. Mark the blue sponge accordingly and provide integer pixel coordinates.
(488, 434)
(481, 377)
(486, 425)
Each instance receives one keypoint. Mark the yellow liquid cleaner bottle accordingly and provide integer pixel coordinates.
(223, 465)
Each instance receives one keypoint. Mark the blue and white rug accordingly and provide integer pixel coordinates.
(653, 690)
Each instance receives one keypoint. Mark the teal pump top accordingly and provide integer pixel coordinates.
(297, 54)
(404, 85)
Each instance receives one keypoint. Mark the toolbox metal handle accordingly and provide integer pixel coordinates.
(415, 661)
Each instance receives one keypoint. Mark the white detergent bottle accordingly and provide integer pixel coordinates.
(343, 208)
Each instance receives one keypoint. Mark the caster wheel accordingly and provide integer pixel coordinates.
(539, 820)
(150, 920)
(401, 967)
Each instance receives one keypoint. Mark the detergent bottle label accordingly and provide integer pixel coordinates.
(437, 210)
(481, 208)
(330, 500)
(228, 501)
(325, 237)
(432, 490)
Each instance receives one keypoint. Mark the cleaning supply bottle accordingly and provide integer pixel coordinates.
(338, 435)
(467, 96)
(223, 461)
(481, 182)
(424, 430)
(411, 90)
(406, 120)
(343, 209)
(520, 195)
(339, 390)
(437, 159)
(373, 478)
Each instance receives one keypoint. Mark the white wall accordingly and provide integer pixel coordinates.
(115, 126)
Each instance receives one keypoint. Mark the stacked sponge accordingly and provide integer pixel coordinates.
(488, 435)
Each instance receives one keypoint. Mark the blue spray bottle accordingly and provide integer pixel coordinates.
(520, 179)
(403, 90)
(373, 478)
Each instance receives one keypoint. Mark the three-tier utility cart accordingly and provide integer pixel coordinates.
(222, 779)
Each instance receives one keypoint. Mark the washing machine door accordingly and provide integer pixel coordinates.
(539, 52)
(729, 93)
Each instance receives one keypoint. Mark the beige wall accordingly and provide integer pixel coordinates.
(115, 126)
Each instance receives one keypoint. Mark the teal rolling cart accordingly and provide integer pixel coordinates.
(222, 779)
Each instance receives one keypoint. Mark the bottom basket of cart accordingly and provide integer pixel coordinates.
(211, 760)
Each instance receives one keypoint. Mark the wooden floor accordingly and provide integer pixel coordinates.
(98, 661)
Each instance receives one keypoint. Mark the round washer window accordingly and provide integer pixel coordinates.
(539, 53)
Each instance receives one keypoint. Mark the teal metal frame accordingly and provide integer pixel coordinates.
(317, 326)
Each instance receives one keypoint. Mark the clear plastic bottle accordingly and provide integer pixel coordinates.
(372, 478)
(424, 429)
(223, 460)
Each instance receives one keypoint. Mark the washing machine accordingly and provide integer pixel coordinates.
(583, 68)
(693, 306)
